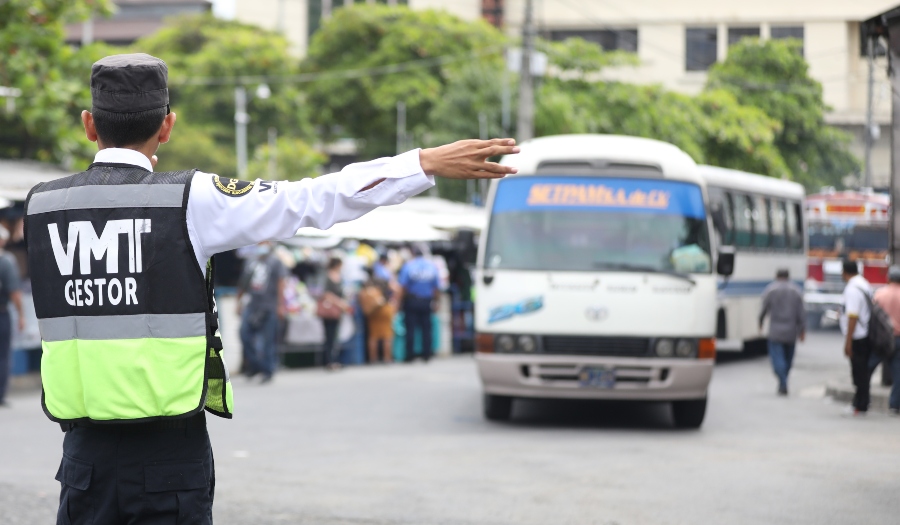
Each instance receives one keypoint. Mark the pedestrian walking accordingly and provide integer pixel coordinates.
(263, 282)
(9, 293)
(375, 301)
(131, 349)
(421, 291)
(855, 317)
(380, 269)
(783, 304)
(888, 297)
(331, 307)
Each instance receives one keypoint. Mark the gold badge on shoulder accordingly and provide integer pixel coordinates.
(232, 187)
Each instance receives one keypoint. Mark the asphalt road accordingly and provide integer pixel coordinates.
(406, 444)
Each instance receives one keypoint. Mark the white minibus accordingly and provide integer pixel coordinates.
(596, 277)
(763, 219)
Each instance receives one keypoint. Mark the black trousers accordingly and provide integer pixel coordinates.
(417, 316)
(862, 374)
(137, 474)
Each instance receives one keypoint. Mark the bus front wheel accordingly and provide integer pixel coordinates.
(689, 414)
(497, 408)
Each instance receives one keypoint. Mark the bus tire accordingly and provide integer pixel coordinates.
(689, 413)
(497, 408)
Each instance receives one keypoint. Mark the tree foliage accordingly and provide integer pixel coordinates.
(293, 159)
(52, 77)
(207, 58)
(774, 77)
(364, 37)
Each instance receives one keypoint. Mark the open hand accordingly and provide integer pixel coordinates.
(467, 159)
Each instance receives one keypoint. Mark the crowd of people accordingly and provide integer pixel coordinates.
(282, 284)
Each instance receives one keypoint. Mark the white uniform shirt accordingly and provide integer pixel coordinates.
(856, 304)
(218, 222)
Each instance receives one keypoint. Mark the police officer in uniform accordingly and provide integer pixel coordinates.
(421, 292)
(121, 265)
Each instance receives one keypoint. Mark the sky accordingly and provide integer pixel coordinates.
(223, 8)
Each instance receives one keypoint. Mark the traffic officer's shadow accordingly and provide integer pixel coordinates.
(645, 415)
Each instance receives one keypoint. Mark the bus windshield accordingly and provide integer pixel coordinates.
(847, 236)
(595, 224)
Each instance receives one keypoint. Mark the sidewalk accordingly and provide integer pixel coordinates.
(842, 391)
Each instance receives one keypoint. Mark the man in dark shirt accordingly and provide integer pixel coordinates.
(263, 282)
(9, 292)
(783, 303)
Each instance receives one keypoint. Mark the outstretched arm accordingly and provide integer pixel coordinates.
(220, 219)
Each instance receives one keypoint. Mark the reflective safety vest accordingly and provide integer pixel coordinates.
(128, 321)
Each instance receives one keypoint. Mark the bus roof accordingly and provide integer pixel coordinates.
(615, 149)
(750, 182)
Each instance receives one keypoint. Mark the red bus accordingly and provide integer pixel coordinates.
(844, 224)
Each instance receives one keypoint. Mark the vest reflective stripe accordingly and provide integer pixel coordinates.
(147, 348)
(123, 378)
(102, 327)
(120, 196)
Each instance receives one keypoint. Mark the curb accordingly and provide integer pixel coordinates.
(843, 392)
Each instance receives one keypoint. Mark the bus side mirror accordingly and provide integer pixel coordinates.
(725, 262)
(487, 277)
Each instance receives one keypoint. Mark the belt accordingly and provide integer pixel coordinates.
(195, 421)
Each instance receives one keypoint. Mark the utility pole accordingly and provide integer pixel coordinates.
(241, 118)
(525, 126)
(401, 127)
(87, 32)
(326, 9)
(870, 40)
(279, 24)
(273, 154)
(10, 94)
(505, 97)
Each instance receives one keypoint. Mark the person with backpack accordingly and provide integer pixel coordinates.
(888, 298)
(855, 317)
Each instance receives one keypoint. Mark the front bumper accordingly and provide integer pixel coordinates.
(557, 376)
(818, 302)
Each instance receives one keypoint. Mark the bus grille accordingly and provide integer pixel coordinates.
(605, 346)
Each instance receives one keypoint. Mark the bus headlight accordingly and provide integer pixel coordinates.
(665, 347)
(526, 343)
(506, 343)
(684, 348)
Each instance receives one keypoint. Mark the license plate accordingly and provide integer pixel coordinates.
(598, 377)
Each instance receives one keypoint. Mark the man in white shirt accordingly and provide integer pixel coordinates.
(855, 318)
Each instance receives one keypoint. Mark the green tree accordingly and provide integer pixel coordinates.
(361, 37)
(207, 59)
(774, 77)
(45, 124)
(294, 160)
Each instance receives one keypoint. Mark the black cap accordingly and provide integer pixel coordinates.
(129, 83)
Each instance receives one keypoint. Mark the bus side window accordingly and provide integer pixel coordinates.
(794, 226)
(743, 221)
(760, 222)
(722, 213)
(778, 220)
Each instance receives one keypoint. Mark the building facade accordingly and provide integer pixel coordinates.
(132, 20)
(676, 42)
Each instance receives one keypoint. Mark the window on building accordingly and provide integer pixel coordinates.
(608, 39)
(701, 48)
(736, 34)
(785, 32)
(880, 49)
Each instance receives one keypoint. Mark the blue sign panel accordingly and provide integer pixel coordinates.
(663, 197)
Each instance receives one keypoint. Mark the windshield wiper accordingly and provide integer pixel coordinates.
(625, 267)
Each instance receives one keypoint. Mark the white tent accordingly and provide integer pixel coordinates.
(420, 219)
(17, 177)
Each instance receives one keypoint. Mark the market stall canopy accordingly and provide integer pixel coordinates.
(18, 176)
(421, 219)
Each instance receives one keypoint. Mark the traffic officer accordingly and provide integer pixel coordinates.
(121, 265)
(421, 293)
